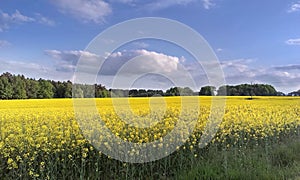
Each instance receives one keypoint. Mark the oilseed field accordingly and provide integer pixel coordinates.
(258, 138)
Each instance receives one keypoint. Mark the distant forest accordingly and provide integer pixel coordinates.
(20, 87)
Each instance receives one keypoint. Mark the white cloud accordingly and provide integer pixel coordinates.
(157, 5)
(18, 65)
(146, 68)
(30, 69)
(7, 20)
(18, 17)
(4, 43)
(130, 2)
(139, 44)
(285, 78)
(33, 70)
(127, 64)
(150, 62)
(219, 50)
(44, 20)
(67, 60)
(288, 67)
(207, 4)
(293, 41)
(85, 10)
(294, 7)
(122, 64)
(69, 55)
(157, 62)
(241, 65)
(125, 1)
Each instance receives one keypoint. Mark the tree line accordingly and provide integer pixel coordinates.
(20, 87)
(294, 93)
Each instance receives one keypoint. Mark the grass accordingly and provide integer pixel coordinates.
(280, 160)
(277, 161)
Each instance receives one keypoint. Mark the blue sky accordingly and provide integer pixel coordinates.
(255, 41)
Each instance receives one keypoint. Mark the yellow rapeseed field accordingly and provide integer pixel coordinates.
(41, 138)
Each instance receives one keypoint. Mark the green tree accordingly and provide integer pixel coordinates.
(207, 91)
(19, 87)
(6, 89)
(101, 91)
(77, 91)
(133, 92)
(186, 91)
(32, 87)
(222, 91)
(68, 89)
(173, 91)
(45, 89)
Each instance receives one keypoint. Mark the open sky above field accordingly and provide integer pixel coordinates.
(255, 41)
